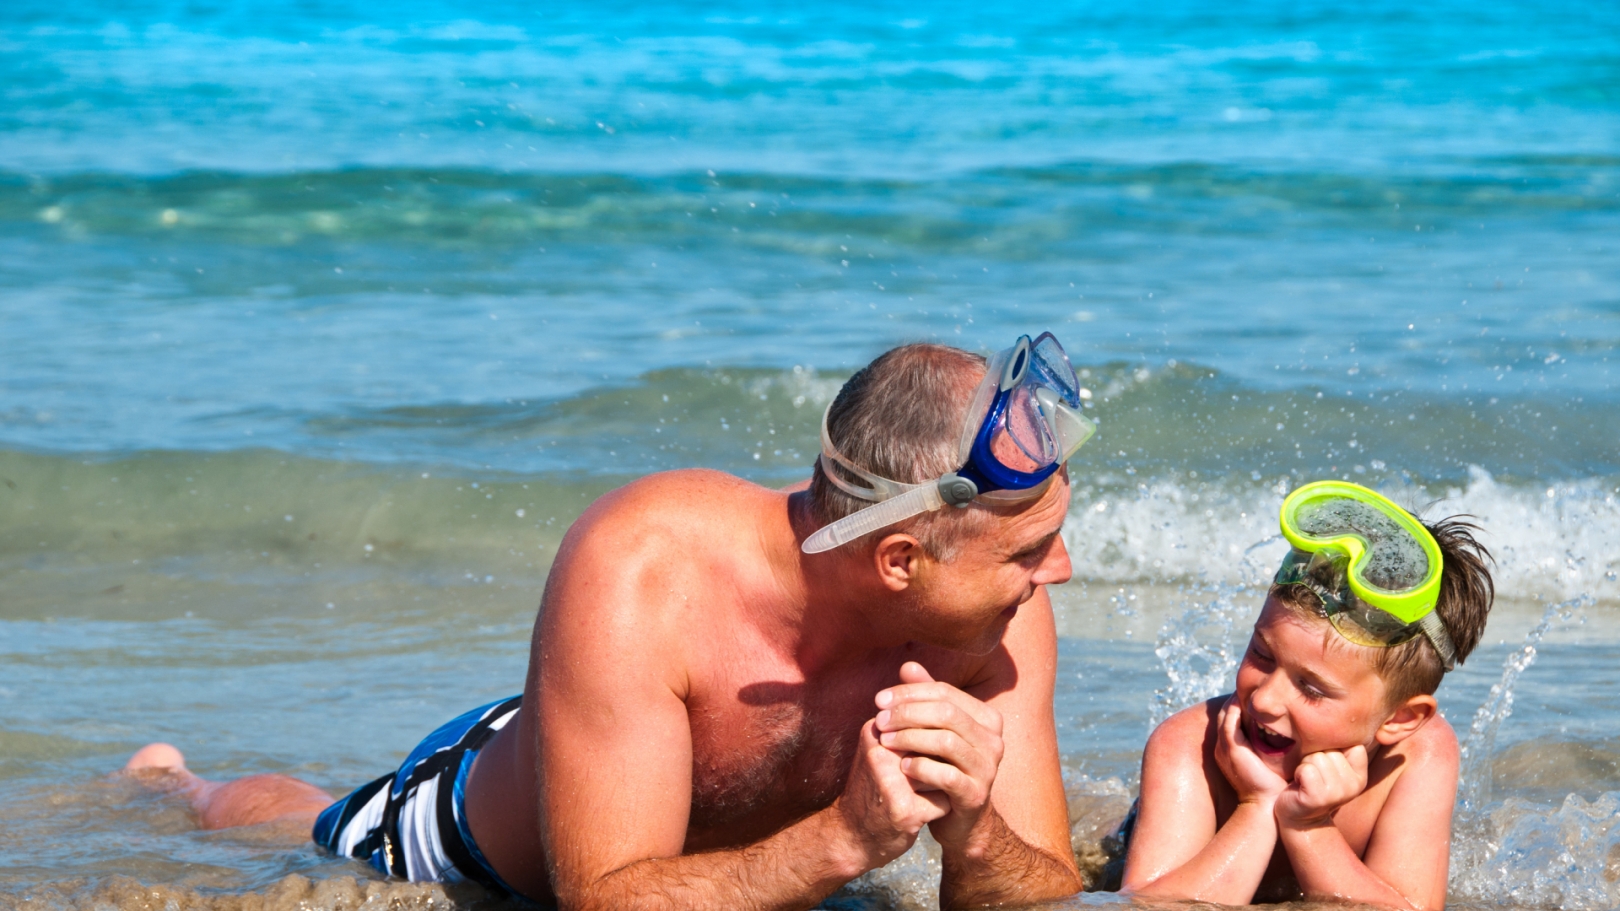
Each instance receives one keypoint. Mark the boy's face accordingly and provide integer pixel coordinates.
(1303, 690)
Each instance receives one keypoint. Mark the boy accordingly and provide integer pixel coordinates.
(1327, 775)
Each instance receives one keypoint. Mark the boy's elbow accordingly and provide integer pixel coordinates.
(1155, 888)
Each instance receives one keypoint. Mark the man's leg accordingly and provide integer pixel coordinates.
(250, 801)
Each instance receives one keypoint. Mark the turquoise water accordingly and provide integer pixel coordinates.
(319, 324)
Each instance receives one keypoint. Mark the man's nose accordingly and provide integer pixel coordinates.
(1055, 569)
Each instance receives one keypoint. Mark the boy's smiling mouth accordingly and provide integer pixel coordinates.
(1266, 741)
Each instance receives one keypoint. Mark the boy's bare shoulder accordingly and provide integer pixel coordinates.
(1189, 733)
(1433, 746)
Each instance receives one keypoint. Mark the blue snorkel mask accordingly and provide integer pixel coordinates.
(1023, 423)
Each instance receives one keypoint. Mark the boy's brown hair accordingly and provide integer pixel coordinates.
(1466, 593)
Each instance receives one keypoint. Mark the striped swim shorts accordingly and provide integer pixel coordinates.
(411, 823)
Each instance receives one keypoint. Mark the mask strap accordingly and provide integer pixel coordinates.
(1435, 629)
(894, 501)
(882, 488)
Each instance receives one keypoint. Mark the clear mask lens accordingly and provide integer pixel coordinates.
(1028, 429)
(1369, 626)
(1041, 423)
(1051, 365)
(1395, 561)
(1323, 573)
(1071, 427)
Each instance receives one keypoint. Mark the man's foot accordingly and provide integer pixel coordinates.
(157, 756)
(162, 767)
(250, 801)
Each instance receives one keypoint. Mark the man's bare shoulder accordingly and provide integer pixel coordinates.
(648, 555)
(650, 508)
(690, 516)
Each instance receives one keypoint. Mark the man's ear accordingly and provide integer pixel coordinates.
(899, 558)
(1405, 720)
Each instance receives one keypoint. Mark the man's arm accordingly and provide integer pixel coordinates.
(795, 868)
(992, 750)
(1410, 847)
(608, 687)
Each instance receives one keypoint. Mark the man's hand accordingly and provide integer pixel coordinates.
(1253, 780)
(950, 747)
(881, 809)
(1323, 782)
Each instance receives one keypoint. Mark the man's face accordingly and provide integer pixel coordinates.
(971, 599)
(1303, 690)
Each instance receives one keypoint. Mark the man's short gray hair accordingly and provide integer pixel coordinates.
(901, 417)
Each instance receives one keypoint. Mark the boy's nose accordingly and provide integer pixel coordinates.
(1267, 700)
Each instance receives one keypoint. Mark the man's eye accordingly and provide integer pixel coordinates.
(1041, 546)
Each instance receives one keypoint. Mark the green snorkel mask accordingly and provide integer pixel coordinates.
(1375, 567)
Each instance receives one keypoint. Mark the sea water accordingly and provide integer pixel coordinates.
(320, 323)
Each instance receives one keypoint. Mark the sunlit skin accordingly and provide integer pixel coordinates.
(1303, 783)
(714, 719)
(970, 600)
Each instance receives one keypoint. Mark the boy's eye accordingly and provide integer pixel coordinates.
(1310, 690)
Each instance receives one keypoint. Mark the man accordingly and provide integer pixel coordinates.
(742, 698)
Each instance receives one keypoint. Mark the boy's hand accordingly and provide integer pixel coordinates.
(1253, 780)
(1322, 783)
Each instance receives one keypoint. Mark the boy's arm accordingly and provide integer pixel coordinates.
(1176, 851)
(1408, 853)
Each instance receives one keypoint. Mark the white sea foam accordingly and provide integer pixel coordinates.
(1552, 540)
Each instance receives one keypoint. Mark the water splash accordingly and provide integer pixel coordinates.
(1565, 858)
(1199, 649)
(1478, 747)
(1552, 539)
(910, 882)
(1518, 852)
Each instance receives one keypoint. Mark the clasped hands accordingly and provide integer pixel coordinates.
(929, 757)
(1322, 782)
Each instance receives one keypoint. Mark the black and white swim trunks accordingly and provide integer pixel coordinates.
(411, 823)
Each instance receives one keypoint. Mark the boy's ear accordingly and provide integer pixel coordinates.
(1405, 720)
